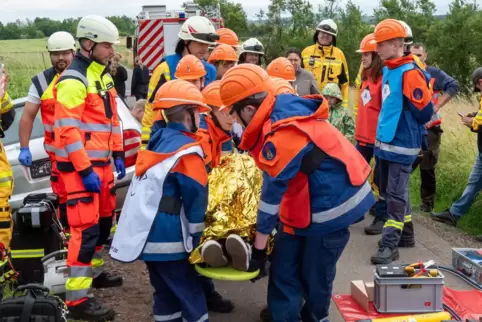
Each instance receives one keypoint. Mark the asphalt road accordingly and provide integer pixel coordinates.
(353, 265)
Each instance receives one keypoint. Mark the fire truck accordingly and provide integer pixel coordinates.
(157, 30)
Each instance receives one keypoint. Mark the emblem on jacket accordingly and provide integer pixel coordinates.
(269, 151)
(417, 93)
(366, 97)
(385, 91)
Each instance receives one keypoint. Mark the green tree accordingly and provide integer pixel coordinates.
(351, 30)
(233, 14)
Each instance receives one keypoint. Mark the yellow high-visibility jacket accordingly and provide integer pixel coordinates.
(160, 75)
(328, 65)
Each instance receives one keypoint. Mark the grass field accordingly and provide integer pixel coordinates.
(23, 59)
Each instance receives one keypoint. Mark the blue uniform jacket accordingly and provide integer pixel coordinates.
(183, 183)
(335, 203)
(406, 108)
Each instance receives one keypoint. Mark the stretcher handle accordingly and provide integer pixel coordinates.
(54, 254)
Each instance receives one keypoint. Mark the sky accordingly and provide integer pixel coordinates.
(60, 9)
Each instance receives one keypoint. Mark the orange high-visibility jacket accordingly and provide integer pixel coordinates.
(87, 129)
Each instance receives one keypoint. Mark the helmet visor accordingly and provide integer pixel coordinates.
(206, 37)
(254, 48)
(327, 28)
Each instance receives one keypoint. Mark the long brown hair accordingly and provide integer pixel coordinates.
(115, 64)
(375, 70)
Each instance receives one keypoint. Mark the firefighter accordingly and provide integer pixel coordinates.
(196, 35)
(298, 189)
(440, 82)
(406, 107)
(87, 136)
(165, 234)
(227, 37)
(223, 57)
(251, 52)
(215, 127)
(326, 61)
(281, 67)
(7, 116)
(370, 104)
(61, 48)
(282, 86)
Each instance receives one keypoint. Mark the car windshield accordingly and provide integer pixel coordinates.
(11, 135)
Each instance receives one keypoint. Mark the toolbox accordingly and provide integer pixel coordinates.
(468, 261)
(408, 294)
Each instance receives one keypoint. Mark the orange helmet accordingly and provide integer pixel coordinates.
(242, 81)
(281, 67)
(190, 68)
(179, 92)
(223, 53)
(368, 44)
(282, 86)
(211, 94)
(389, 29)
(227, 37)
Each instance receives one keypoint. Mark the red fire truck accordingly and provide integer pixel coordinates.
(157, 30)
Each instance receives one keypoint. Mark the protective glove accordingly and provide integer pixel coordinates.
(121, 168)
(258, 262)
(91, 182)
(25, 157)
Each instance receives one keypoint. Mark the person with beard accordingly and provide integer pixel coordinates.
(87, 135)
(61, 48)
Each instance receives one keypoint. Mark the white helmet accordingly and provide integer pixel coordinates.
(252, 45)
(409, 39)
(60, 41)
(98, 29)
(199, 29)
(328, 26)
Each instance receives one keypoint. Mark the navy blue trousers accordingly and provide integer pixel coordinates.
(179, 294)
(303, 267)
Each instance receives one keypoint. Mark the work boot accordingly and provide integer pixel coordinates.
(426, 207)
(385, 255)
(445, 217)
(91, 310)
(402, 243)
(376, 227)
(265, 315)
(239, 251)
(106, 280)
(212, 254)
(216, 303)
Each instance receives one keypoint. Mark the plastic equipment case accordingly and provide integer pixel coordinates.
(36, 233)
(469, 262)
(408, 294)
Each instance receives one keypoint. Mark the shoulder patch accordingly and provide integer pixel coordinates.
(385, 91)
(269, 151)
(417, 93)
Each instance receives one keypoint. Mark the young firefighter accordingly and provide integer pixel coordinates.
(282, 86)
(406, 107)
(339, 116)
(163, 216)
(196, 35)
(316, 187)
(252, 52)
(223, 57)
(192, 70)
(281, 67)
(370, 104)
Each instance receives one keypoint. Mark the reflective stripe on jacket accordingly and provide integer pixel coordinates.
(87, 128)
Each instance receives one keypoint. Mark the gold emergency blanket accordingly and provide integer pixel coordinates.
(234, 191)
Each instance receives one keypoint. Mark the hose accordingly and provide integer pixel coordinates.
(460, 275)
(452, 312)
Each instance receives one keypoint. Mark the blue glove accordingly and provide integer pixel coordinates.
(121, 168)
(25, 157)
(91, 182)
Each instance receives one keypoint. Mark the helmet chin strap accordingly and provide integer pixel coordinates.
(193, 120)
(91, 52)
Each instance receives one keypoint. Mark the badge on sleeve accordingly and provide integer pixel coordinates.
(269, 151)
(417, 94)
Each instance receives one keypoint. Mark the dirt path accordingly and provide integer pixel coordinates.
(434, 241)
